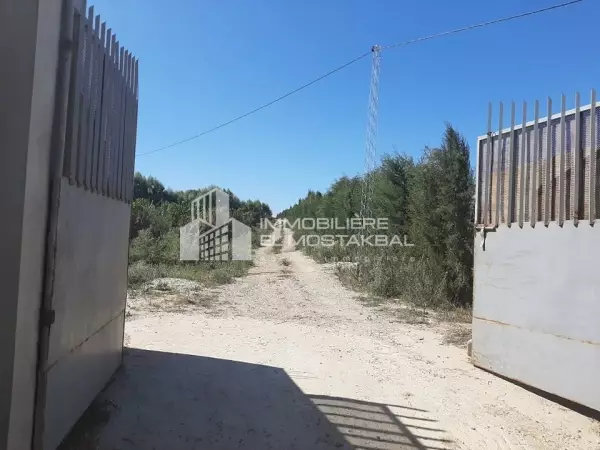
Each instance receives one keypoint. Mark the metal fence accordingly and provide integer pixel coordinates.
(102, 110)
(543, 170)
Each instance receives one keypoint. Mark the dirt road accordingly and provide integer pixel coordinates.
(287, 358)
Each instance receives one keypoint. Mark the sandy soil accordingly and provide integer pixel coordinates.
(295, 361)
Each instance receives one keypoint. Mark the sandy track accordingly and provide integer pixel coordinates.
(294, 361)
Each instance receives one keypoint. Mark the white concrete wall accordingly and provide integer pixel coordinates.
(29, 31)
(536, 312)
(89, 300)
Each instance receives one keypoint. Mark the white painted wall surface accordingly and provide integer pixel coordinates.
(29, 31)
(89, 300)
(536, 312)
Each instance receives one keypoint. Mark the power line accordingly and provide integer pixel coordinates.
(266, 105)
(349, 63)
(480, 25)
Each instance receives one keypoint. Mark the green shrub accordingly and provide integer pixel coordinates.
(155, 249)
(141, 272)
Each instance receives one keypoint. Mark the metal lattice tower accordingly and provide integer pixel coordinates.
(371, 147)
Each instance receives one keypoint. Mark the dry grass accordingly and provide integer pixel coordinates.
(403, 310)
(457, 314)
(457, 335)
(455, 322)
(206, 273)
(406, 313)
(348, 276)
(173, 295)
(372, 300)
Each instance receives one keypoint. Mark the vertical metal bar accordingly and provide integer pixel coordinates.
(90, 86)
(478, 182)
(498, 166)
(487, 170)
(129, 130)
(124, 127)
(98, 61)
(77, 80)
(511, 168)
(107, 111)
(126, 132)
(593, 150)
(84, 109)
(99, 81)
(133, 116)
(561, 173)
(548, 164)
(126, 136)
(129, 106)
(136, 79)
(110, 113)
(102, 109)
(522, 167)
(135, 111)
(534, 170)
(122, 113)
(577, 159)
(113, 113)
(120, 104)
(110, 117)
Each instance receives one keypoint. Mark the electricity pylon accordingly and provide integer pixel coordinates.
(371, 147)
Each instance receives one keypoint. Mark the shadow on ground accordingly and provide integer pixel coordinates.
(174, 401)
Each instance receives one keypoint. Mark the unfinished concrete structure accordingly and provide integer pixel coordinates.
(536, 311)
(67, 135)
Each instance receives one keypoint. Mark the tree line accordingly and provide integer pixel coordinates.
(158, 212)
(429, 203)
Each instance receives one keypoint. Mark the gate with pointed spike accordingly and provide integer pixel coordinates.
(83, 307)
(536, 306)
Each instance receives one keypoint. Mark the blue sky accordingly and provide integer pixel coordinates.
(205, 62)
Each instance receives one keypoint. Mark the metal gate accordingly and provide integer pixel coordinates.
(536, 311)
(93, 151)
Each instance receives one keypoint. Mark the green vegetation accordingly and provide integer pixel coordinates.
(431, 202)
(156, 215)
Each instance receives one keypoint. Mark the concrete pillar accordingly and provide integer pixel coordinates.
(29, 38)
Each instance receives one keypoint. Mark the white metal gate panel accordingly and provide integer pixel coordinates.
(84, 301)
(536, 311)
